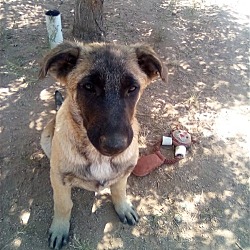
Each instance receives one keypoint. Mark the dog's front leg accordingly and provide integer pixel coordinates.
(59, 230)
(123, 206)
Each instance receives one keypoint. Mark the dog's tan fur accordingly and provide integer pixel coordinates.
(75, 162)
(66, 157)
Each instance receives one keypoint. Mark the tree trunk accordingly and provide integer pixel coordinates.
(88, 20)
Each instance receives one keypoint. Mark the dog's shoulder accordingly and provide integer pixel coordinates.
(70, 138)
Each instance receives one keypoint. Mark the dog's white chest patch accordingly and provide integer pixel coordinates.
(101, 170)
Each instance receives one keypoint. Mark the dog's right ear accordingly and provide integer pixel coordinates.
(60, 61)
(150, 63)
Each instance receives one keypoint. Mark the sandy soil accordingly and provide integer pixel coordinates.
(200, 203)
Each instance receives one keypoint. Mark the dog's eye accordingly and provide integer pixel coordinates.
(87, 86)
(132, 89)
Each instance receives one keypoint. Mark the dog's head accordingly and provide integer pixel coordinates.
(104, 83)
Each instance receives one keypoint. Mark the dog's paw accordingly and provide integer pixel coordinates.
(58, 234)
(126, 213)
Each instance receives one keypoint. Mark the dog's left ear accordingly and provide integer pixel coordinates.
(60, 61)
(150, 62)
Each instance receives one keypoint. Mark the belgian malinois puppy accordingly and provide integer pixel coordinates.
(93, 140)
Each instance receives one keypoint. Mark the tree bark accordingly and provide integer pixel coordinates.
(88, 21)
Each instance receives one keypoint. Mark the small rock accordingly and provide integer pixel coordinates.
(178, 218)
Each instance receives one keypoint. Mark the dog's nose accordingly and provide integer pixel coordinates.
(114, 144)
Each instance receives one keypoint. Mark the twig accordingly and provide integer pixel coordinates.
(169, 176)
(238, 245)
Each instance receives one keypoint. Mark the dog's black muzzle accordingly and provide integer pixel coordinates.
(112, 144)
(112, 134)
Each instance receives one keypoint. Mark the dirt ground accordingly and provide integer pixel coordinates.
(202, 202)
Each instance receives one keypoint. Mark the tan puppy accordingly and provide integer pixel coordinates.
(93, 140)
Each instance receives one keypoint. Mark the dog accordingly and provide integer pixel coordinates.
(92, 142)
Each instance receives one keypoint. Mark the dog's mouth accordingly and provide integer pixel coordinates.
(110, 154)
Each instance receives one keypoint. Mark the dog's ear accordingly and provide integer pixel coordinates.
(60, 61)
(150, 62)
